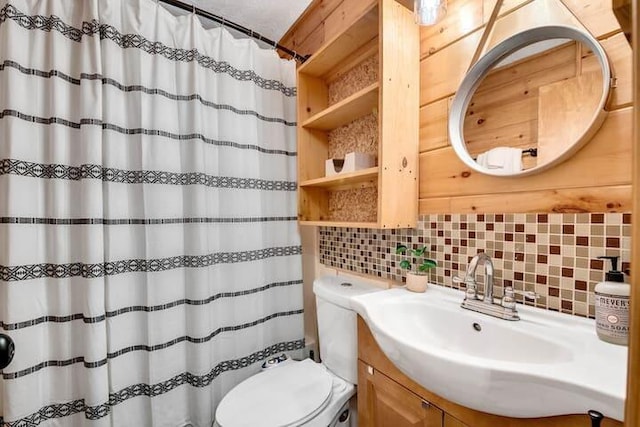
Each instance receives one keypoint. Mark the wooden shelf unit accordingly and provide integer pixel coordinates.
(344, 181)
(394, 99)
(343, 45)
(349, 109)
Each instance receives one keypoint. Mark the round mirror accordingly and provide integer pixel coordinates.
(530, 102)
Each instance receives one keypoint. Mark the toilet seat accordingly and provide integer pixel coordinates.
(285, 396)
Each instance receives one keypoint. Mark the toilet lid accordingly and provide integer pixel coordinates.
(277, 397)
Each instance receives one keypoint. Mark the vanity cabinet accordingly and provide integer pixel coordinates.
(387, 397)
(359, 92)
(449, 421)
(383, 402)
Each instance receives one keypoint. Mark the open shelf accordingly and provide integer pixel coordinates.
(379, 48)
(343, 45)
(345, 180)
(349, 109)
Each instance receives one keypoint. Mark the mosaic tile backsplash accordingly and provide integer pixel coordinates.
(554, 255)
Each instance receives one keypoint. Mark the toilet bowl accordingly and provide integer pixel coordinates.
(306, 393)
(301, 393)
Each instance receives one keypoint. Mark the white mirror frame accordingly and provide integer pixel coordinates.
(480, 69)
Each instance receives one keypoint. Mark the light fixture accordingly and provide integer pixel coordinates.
(428, 12)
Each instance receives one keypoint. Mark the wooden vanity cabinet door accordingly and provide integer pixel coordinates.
(383, 402)
(449, 421)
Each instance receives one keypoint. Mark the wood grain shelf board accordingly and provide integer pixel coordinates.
(349, 109)
(343, 44)
(343, 180)
(340, 224)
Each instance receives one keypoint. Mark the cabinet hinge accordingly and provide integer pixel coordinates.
(426, 405)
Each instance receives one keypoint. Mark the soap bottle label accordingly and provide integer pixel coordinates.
(612, 315)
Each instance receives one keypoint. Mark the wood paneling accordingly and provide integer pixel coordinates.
(505, 109)
(570, 200)
(307, 34)
(463, 17)
(619, 54)
(526, 73)
(448, 176)
(533, 14)
(435, 205)
(508, 6)
(632, 413)
(442, 72)
(565, 110)
(343, 44)
(595, 15)
(433, 125)
(507, 86)
(445, 184)
(344, 15)
(322, 20)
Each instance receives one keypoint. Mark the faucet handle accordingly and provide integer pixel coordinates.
(509, 292)
(471, 286)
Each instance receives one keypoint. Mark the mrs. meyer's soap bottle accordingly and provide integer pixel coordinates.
(612, 306)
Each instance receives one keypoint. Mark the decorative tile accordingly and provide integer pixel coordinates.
(551, 254)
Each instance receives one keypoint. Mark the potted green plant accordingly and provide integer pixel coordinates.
(417, 278)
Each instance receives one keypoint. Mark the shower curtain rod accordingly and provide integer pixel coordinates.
(237, 27)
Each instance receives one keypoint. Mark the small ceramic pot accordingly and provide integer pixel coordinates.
(417, 282)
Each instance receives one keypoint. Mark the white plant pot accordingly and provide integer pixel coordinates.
(417, 282)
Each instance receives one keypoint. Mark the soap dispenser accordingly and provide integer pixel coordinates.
(612, 306)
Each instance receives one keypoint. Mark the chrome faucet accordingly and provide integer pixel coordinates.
(504, 308)
(482, 258)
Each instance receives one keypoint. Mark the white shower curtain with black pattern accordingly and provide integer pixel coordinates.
(149, 255)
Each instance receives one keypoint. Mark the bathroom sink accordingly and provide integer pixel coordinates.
(545, 364)
(464, 333)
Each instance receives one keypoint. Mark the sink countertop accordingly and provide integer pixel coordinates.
(545, 364)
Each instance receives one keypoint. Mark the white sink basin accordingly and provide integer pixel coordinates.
(454, 330)
(545, 364)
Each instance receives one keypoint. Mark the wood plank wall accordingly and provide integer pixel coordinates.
(596, 179)
(632, 414)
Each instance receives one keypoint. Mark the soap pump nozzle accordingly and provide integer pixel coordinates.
(613, 275)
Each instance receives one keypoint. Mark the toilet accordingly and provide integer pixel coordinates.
(288, 393)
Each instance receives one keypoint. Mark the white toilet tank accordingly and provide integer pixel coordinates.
(337, 323)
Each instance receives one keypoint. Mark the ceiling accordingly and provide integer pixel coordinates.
(270, 18)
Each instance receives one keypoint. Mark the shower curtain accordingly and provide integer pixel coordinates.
(149, 255)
